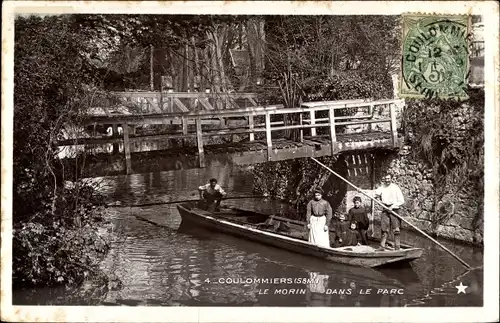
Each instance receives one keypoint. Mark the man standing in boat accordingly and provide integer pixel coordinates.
(211, 194)
(391, 196)
(319, 215)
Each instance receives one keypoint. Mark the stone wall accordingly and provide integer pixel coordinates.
(457, 215)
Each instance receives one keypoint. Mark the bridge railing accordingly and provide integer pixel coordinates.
(140, 102)
(330, 122)
(302, 118)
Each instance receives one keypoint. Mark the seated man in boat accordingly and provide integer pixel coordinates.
(211, 194)
(358, 215)
(319, 215)
(391, 196)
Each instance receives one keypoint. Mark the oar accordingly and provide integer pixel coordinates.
(186, 201)
(395, 214)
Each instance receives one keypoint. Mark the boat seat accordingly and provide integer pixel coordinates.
(360, 248)
(283, 227)
(265, 226)
(298, 235)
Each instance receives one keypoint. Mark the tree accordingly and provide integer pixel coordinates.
(55, 235)
(306, 52)
(316, 58)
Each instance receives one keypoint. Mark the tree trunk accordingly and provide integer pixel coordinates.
(252, 47)
(240, 36)
(208, 80)
(185, 69)
(221, 84)
(197, 73)
(219, 41)
(151, 70)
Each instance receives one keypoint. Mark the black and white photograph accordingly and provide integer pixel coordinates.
(250, 161)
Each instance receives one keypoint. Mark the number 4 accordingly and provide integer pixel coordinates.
(207, 280)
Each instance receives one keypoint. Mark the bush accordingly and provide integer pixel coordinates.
(55, 237)
(449, 136)
(59, 243)
(295, 180)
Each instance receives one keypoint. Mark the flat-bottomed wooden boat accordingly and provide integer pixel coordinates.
(256, 227)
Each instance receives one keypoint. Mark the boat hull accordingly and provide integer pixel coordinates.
(196, 217)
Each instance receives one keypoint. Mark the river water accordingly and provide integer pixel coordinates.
(160, 265)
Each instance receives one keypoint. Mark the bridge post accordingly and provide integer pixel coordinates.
(160, 101)
(184, 125)
(116, 147)
(393, 125)
(251, 126)
(370, 111)
(312, 118)
(333, 135)
(184, 121)
(199, 143)
(126, 149)
(94, 134)
(301, 131)
(268, 137)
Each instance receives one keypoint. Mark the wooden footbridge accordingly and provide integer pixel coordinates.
(256, 134)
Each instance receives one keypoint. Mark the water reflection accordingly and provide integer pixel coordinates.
(317, 290)
(328, 284)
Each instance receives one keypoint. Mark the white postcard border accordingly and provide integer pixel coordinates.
(489, 312)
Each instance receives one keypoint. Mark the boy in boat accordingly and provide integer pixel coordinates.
(211, 194)
(358, 215)
(319, 215)
(346, 233)
(391, 196)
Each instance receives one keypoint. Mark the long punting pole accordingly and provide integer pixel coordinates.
(190, 200)
(395, 214)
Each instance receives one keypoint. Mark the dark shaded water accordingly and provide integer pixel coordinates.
(161, 265)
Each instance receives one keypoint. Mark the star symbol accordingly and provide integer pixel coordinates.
(461, 288)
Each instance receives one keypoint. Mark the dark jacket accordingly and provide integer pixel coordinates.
(319, 208)
(359, 216)
(349, 236)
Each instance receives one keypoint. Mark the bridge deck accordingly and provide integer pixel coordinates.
(362, 130)
(348, 140)
(238, 153)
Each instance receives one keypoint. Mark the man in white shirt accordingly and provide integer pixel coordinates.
(212, 195)
(391, 196)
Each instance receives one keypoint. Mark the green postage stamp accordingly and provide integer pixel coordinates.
(435, 57)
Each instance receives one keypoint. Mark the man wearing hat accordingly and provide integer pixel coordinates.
(319, 215)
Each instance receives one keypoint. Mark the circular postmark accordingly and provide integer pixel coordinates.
(435, 57)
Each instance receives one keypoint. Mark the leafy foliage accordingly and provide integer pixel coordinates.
(329, 58)
(449, 137)
(295, 181)
(55, 236)
(123, 40)
(348, 86)
(61, 247)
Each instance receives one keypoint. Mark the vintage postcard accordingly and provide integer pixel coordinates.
(250, 161)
